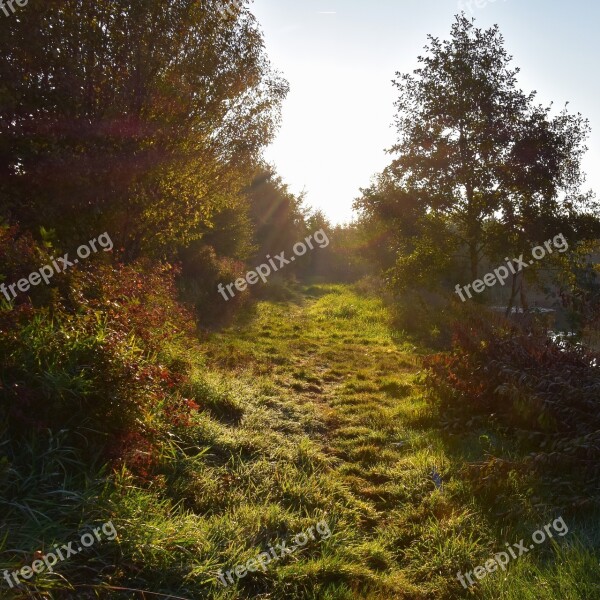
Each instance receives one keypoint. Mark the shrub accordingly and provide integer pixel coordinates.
(20, 256)
(544, 393)
(428, 316)
(370, 285)
(92, 360)
(202, 271)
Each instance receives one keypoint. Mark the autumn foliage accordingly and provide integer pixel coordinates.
(542, 393)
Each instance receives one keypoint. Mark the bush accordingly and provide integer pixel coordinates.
(428, 316)
(20, 256)
(202, 271)
(370, 285)
(92, 360)
(278, 288)
(544, 393)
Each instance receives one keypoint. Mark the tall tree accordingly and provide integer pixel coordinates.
(143, 117)
(457, 119)
(474, 150)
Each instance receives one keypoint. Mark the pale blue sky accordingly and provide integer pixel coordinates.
(338, 115)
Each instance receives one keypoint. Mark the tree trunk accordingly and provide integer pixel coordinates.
(474, 260)
(524, 303)
(513, 293)
(472, 231)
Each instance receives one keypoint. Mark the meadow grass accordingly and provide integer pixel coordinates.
(310, 409)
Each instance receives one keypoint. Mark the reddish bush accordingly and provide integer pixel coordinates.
(92, 359)
(547, 394)
(140, 298)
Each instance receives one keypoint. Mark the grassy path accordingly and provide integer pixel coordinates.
(335, 432)
(307, 444)
(328, 423)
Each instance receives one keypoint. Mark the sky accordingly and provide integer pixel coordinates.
(340, 57)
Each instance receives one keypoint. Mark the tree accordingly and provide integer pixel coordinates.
(144, 118)
(390, 217)
(277, 214)
(473, 151)
(542, 195)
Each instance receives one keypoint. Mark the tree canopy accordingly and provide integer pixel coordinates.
(142, 117)
(479, 168)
